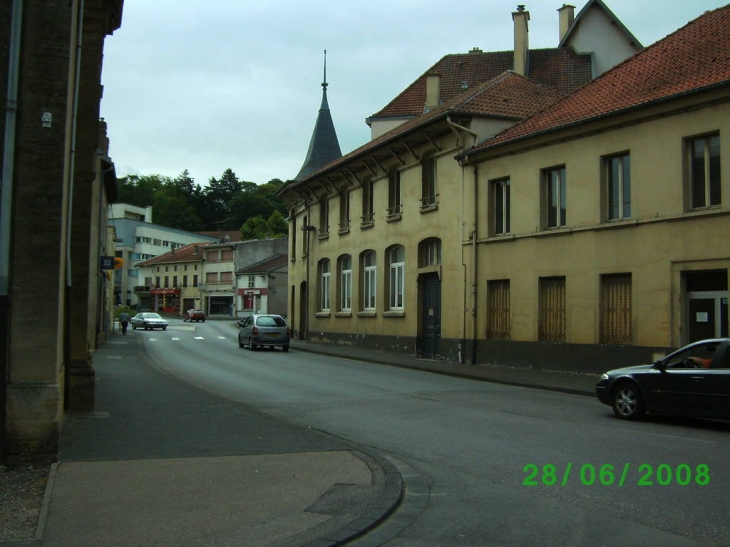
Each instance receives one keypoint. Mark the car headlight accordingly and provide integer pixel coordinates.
(604, 376)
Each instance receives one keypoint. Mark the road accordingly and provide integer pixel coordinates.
(505, 465)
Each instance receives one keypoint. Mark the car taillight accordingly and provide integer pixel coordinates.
(255, 331)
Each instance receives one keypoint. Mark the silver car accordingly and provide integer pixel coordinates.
(263, 331)
(149, 320)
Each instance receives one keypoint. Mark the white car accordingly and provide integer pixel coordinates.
(149, 320)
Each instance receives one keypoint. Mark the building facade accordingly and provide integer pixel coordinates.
(565, 237)
(56, 180)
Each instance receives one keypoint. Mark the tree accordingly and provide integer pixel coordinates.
(277, 225)
(254, 228)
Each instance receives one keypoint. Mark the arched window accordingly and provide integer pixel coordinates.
(368, 276)
(396, 279)
(345, 271)
(324, 285)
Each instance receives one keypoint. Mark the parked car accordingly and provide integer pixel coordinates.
(194, 315)
(692, 381)
(149, 320)
(263, 331)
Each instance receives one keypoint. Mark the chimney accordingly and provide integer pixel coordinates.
(433, 90)
(567, 16)
(520, 18)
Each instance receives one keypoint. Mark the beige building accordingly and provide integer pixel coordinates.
(574, 239)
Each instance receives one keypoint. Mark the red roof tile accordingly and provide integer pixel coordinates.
(187, 253)
(562, 69)
(695, 57)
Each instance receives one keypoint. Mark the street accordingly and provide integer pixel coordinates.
(505, 465)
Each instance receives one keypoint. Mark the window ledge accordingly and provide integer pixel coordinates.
(366, 224)
(368, 313)
(322, 314)
(429, 208)
(342, 231)
(343, 314)
(394, 313)
(323, 235)
(393, 217)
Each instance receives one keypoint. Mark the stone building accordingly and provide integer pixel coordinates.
(56, 180)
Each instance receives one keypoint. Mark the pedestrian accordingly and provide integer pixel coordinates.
(124, 321)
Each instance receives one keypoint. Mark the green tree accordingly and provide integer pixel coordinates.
(277, 225)
(254, 228)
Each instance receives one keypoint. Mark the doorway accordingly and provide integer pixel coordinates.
(430, 316)
(707, 305)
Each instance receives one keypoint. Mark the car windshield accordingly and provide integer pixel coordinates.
(152, 316)
(270, 321)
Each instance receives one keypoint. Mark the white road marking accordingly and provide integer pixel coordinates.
(200, 338)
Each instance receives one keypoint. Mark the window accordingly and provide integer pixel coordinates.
(293, 236)
(324, 217)
(344, 211)
(552, 309)
(345, 266)
(500, 205)
(430, 254)
(368, 284)
(167, 281)
(428, 182)
(227, 255)
(251, 281)
(174, 281)
(211, 256)
(185, 281)
(396, 281)
(554, 197)
(498, 309)
(618, 186)
(368, 213)
(195, 280)
(395, 207)
(616, 309)
(211, 277)
(324, 285)
(704, 171)
(226, 277)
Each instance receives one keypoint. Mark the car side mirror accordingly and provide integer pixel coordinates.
(660, 365)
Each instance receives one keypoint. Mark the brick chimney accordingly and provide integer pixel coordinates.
(433, 90)
(522, 43)
(567, 16)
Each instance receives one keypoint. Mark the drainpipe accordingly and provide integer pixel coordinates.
(6, 195)
(11, 114)
(474, 269)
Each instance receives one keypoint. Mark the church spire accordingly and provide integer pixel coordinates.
(324, 146)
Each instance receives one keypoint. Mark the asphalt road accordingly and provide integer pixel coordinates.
(506, 465)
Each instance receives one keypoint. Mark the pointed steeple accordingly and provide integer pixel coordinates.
(324, 146)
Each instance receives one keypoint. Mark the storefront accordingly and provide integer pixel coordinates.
(166, 300)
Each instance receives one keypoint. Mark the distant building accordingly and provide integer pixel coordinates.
(138, 239)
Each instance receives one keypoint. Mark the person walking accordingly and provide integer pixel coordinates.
(124, 321)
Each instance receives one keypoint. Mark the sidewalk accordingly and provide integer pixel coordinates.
(162, 463)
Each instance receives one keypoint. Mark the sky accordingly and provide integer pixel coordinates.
(210, 85)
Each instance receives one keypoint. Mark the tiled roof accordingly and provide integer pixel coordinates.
(509, 95)
(187, 253)
(562, 69)
(693, 58)
(272, 263)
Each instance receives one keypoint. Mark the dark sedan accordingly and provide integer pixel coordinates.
(692, 381)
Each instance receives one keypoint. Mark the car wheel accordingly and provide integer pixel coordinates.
(627, 401)
(164, 328)
(146, 327)
(250, 345)
(240, 343)
(284, 348)
(203, 320)
(134, 327)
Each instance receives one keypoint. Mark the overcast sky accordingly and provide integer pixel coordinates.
(207, 85)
